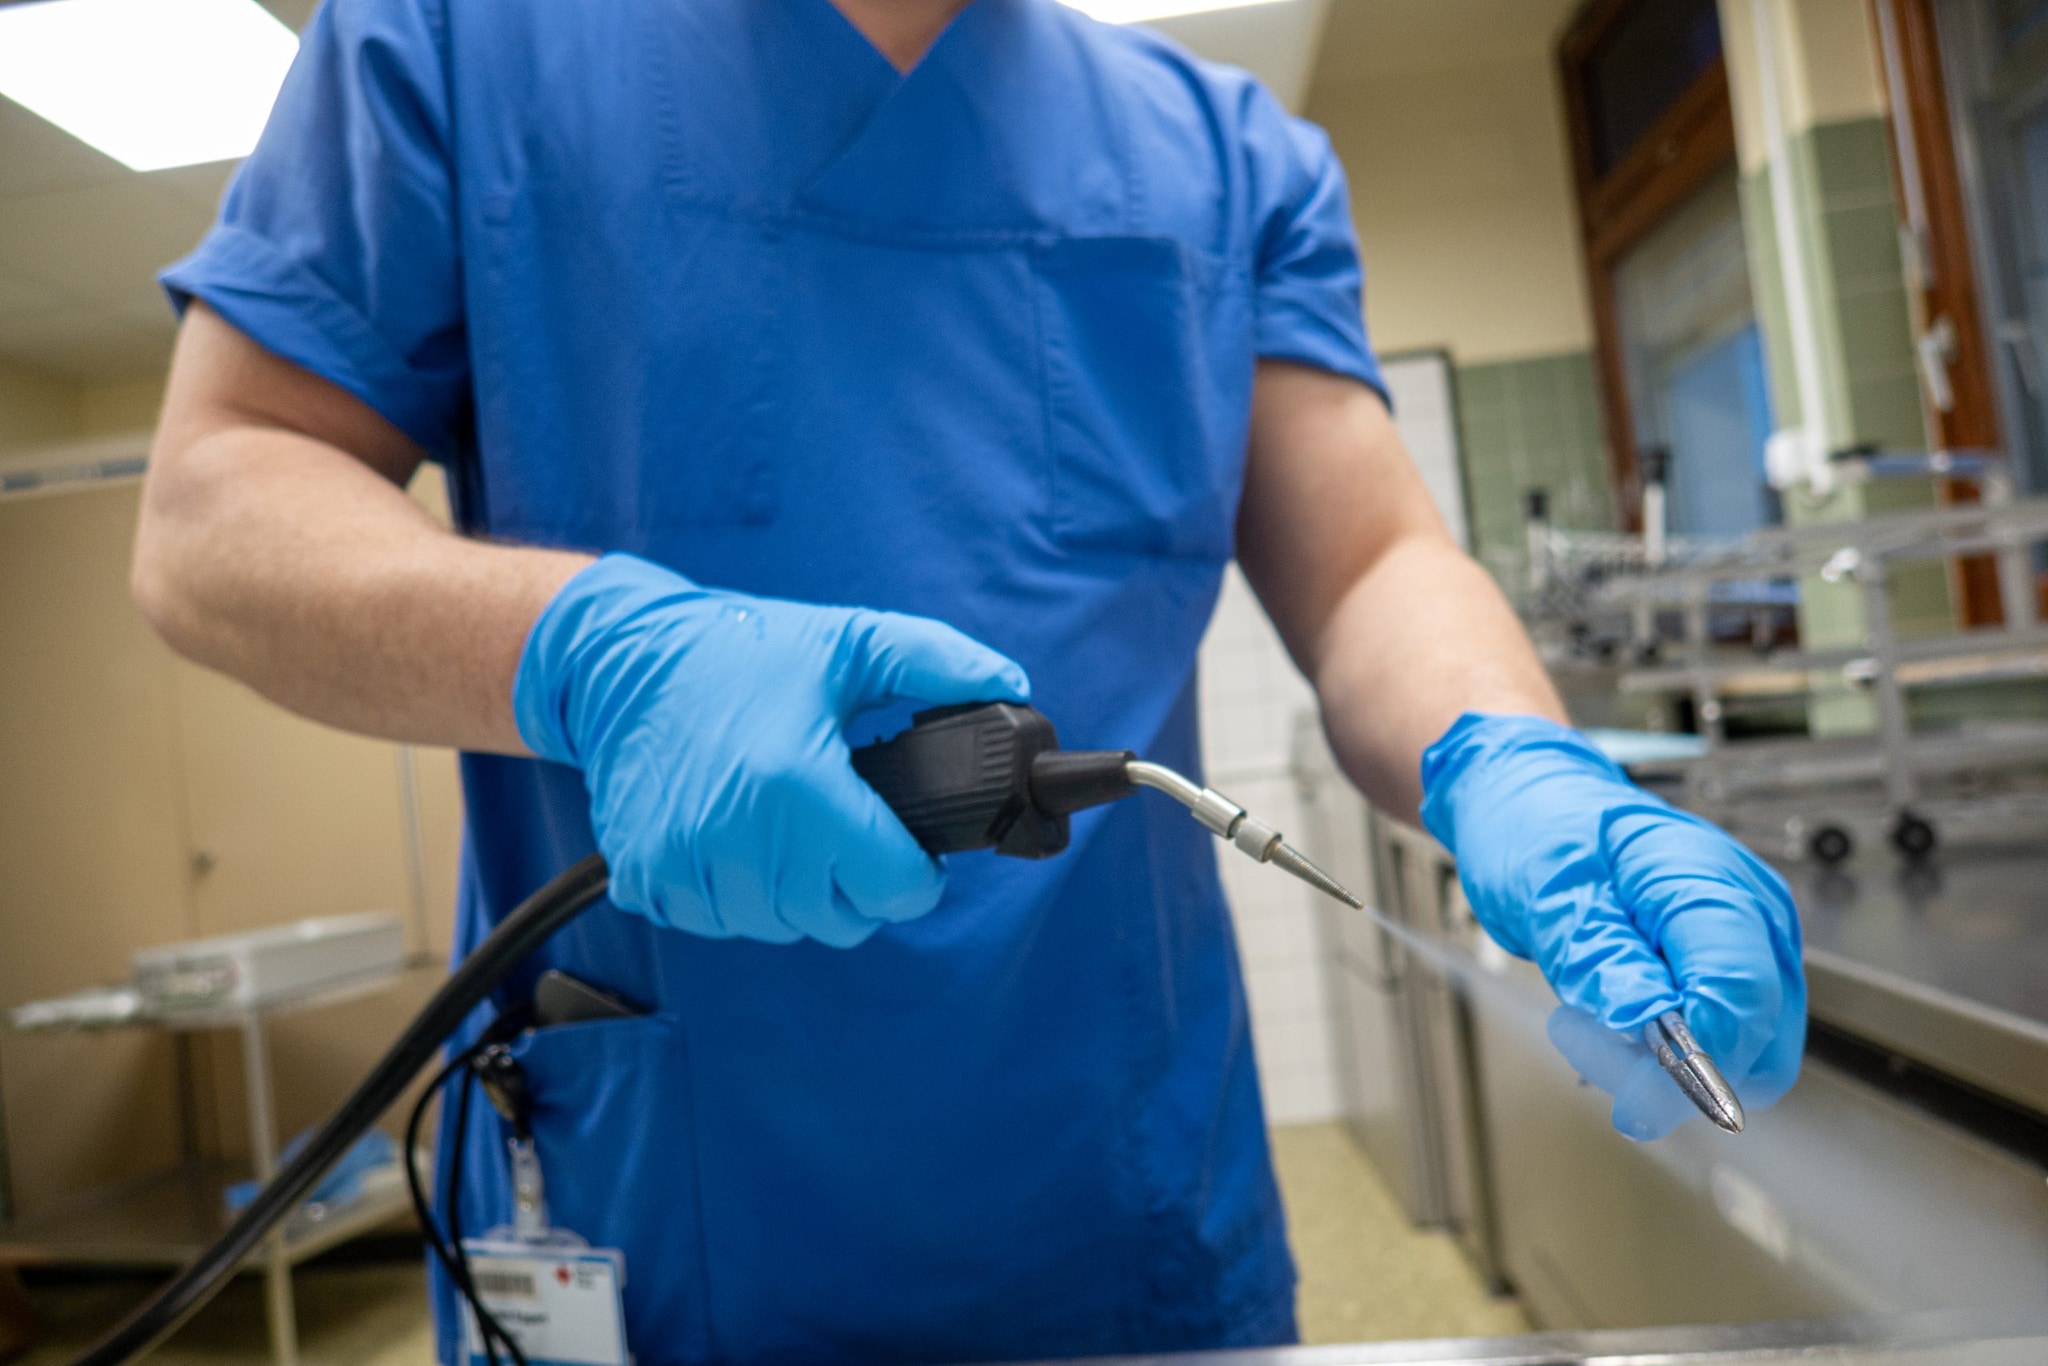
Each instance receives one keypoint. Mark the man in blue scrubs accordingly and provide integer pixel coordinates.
(797, 363)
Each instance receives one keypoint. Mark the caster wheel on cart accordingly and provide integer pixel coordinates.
(1831, 845)
(1913, 836)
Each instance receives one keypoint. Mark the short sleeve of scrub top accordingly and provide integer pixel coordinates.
(337, 245)
(1308, 283)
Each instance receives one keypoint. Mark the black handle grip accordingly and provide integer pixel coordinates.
(960, 779)
(1078, 779)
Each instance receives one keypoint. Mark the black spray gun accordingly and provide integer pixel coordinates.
(993, 776)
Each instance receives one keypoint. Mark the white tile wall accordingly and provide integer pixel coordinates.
(1251, 695)
(1420, 385)
(1251, 698)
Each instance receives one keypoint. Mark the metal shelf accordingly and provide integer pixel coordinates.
(102, 1007)
(1946, 660)
(166, 1218)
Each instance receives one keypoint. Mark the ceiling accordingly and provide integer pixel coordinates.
(81, 240)
(1275, 41)
(82, 237)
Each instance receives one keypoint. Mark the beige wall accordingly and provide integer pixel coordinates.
(43, 419)
(106, 409)
(119, 767)
(1461, 191)
(34, 410)
(93, 853)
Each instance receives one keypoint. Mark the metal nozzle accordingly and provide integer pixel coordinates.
(1294, 861)
(1680, 1055)
(1228, 820)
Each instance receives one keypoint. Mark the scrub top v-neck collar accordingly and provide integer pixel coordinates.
(829, 11)
(971, 144)
(833, 81)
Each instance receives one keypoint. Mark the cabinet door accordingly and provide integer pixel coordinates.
(290, 819)
(293, 819)
(93, 858)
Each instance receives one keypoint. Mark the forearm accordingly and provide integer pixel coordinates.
(1418, 640)
(1399, 630)
(290, 566)
(297, 567)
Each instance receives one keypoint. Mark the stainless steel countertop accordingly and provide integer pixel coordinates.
(1927, 1341)
(1946, 963)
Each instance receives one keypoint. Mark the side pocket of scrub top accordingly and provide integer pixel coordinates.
(612, 1124)
(1148, 372)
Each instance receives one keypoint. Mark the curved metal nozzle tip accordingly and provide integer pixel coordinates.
(1679, 1054)
(1227, 820)
(1286, 856)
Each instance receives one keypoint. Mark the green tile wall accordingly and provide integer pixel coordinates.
(1870, 382)
(1866, 331)
(1529, 424)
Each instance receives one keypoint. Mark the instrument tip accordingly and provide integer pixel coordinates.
(1694, 1070)
(1294, 861)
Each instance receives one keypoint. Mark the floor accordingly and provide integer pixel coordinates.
(360, 1314)
(1365, 1275)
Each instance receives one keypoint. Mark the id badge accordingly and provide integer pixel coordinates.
(562, 1305)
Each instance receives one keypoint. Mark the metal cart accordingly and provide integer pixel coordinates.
(165, 1218)
(1811, 797)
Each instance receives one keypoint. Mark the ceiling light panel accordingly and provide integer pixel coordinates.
(152, 83)
(1145, 11)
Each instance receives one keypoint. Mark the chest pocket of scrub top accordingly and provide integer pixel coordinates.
(1148, 381)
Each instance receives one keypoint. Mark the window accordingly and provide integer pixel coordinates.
(1652, 128)
(1695, 364)
(1638, 70)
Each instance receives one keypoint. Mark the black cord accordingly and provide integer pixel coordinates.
(454, 1263)
(422, 1207)
(536, 918)
(463, 1086)
(452, 1199)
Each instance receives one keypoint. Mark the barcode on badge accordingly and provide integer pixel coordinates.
(516, 1284)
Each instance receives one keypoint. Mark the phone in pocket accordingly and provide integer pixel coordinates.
(560, 999)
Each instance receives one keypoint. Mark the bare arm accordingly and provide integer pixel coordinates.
(1399, 630)
(277, 545)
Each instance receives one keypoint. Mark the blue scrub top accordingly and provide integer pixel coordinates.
(710, 282)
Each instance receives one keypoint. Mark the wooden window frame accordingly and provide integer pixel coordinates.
(1951, 289)
(1688, 146)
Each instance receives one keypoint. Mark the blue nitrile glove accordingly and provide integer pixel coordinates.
(372, 1152)
(709, 728)
(1629, 906)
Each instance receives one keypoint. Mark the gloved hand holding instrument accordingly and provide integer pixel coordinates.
(1648, 919)
(710, 728)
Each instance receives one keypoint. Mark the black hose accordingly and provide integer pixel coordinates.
(488, 1326)
(519, 934)
(454, 1266)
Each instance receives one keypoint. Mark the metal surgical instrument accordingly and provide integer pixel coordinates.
(1680, 1055)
